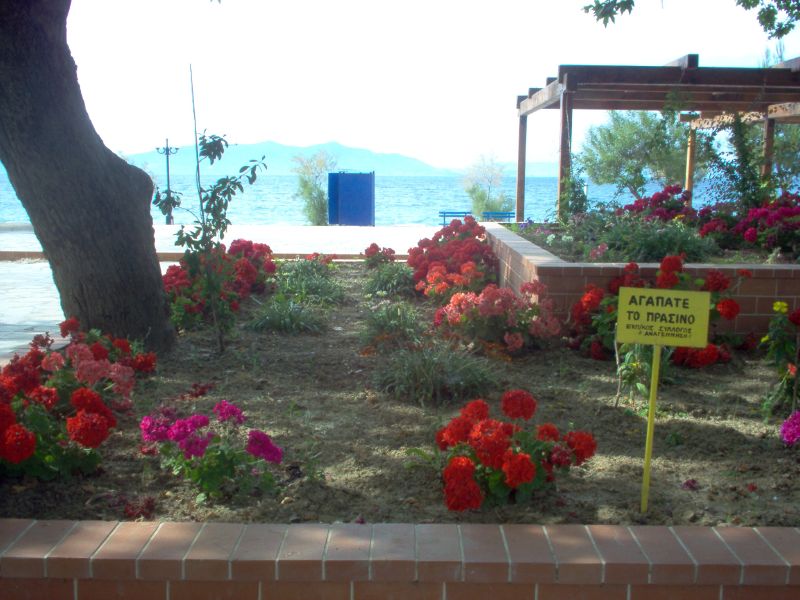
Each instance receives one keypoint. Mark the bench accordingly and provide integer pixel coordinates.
(447, 215)
(498, 215)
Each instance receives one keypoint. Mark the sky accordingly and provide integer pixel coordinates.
(436, 80)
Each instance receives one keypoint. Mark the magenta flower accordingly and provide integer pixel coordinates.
(195, 445)
(790, 430)
(227, 411)
(260, 445)
(155, 429)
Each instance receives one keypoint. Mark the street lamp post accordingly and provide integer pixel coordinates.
(167, 151)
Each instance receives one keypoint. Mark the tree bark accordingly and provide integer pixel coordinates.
(90, 209)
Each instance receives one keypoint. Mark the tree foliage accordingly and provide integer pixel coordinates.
(482, 184)
(637, 147)
(311, 173)
(777, 17)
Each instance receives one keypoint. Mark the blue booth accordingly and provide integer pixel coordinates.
(351, 198)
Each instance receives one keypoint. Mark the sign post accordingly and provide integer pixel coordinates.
(660, 318)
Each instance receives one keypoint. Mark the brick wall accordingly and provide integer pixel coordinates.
(522, 261)
(84, 560)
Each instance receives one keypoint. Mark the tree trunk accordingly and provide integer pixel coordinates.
(90, 210)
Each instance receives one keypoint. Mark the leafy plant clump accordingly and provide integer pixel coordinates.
(285, 315)
(390, 279)
(434, 373)
(309, 280)
(391, 325)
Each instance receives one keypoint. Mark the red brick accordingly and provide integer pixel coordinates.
(438, 553)
(393, 552)
(675, 592)
(530, 555)
(162, 558)
(71, 557)
(582, 592)
(485, 558)
(11, 529)
(762, 566)
(715, 563)
(347, 553)
(116, 558)
(213, 590)
(758, 287)
(623, 561)
(311, 590)
(300, 557)
(495, 591)
(255, 556)
(760, 592)
(787, 544)
(25, 558)
(208, 559)
(92, 589)
(787, 288)
(396, 590)
(37, 589)
(669, 561)
(576, 559)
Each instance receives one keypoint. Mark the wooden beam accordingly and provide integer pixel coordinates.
(565, 151)
(658, 105)
(620, 74)
(544, 98)
(726, 119)
(787, 110)
(769, 143)
(521, 153)
(691, 159)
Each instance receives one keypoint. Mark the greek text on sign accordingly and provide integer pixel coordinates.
(663, 317)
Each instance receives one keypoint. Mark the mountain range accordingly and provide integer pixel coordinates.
(279, 159)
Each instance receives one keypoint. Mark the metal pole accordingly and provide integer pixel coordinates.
(167, 151)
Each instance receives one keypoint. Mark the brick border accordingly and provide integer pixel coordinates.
(80, 560)
(522, 261)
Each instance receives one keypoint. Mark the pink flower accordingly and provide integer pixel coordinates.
(91, 371)
(53, 362)
(155, 428)
(227, 411)
(195, 445)
(124, 379)
(790, 430)
(260, 445)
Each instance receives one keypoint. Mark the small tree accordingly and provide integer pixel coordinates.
(311, 173)
(482, 184)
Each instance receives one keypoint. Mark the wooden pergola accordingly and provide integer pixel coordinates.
(713, 92)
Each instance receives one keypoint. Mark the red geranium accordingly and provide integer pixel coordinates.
(518, 404)
(582, 444)
(87, 428)
(477, 410)
(46, 396)
(794, 317)
(728, 308)
(518, 468)
(490, 440)
(671, 264)
(547, 432)
(18, 444)
(144, 363)
(71, 325)
(7, 417)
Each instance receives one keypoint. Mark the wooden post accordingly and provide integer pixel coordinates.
(523, 143)
(769, 142)
(565, 151)
(691, 160)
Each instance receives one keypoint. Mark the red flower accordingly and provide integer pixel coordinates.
(456, 431)
(745, 273)
(87, 428)
(582, 444)
(477, 410)
(547, 432)
(144, 363)
(122, 345)
(518, 404)
(671, 264)
(18, 444)
(666, 280)
(490, 440)
(459, 468)
(99, 352)
(728, 309)
(716, 281)
(71, 325)
(560, 456)
(794, 317)
(598, 351)
(7, 417)
(46, 396)
(463, 495)
(8, 388)
(86, 400)
(518, 468)
(751, 235)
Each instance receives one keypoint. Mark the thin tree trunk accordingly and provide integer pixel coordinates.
(89, 208)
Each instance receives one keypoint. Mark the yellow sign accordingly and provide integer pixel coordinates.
(663, 317)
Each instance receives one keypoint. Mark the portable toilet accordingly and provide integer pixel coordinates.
(351, 198)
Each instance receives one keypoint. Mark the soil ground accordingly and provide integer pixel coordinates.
(346, 444)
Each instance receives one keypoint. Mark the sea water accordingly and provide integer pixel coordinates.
(398, 200)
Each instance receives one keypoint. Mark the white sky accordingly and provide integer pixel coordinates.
(432, 79)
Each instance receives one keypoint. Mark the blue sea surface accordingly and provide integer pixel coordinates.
(398, 200)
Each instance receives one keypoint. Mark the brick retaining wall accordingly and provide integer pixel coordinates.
(522, 261)
(85, 560)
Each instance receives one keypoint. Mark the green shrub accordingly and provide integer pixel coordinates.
(639, 240)
(392, 324)
(391, 279)
(309, 281)
(287, 316)
(435, 373)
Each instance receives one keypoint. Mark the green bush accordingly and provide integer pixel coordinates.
(392, 324)
(287, 316)
(391, 279)
(309, 281)
(638, 240)
(435, 373)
